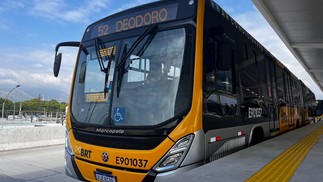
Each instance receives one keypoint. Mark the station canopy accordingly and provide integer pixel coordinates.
(299, 24)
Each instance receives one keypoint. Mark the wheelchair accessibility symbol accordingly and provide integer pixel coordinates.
(119, 114)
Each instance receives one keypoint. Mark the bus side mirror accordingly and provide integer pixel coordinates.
(58, 57)
(57, 64)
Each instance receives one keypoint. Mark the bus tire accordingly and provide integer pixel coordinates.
(257, 136)
(297, 124)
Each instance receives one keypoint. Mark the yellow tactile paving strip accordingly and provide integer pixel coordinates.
(283, 167)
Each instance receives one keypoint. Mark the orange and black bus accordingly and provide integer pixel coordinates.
(171, 85)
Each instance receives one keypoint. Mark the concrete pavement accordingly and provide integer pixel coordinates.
(44, 164)
(242, 165)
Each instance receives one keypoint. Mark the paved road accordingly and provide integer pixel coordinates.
(45, 164)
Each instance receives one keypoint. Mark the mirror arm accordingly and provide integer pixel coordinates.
(68, 44)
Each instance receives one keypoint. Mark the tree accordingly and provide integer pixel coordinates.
(7, 107)
(32, 106)
(48, 106)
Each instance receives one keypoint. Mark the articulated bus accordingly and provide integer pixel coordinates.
(165, 87)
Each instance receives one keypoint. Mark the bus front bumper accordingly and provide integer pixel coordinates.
(73, 171)
(71, 168)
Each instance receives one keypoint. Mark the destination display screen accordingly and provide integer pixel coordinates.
(135, 20)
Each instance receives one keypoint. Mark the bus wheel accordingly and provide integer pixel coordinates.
(297, 124)
(257, 136)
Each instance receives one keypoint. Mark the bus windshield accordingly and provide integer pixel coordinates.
(154, 84)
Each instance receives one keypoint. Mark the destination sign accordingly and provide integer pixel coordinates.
(135, 20)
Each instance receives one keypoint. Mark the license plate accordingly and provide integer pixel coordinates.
(102, 177)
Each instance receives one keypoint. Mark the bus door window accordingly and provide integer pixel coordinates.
(218, 83)
(272, 95)
(295, 100)
(296, 93)
(252, 97)
(287, 84)
(319, 110)
(229, 105)
(272, 79)
(310, 105)
(289, 101)
(280, 86)
(283, 101)
(264, 93)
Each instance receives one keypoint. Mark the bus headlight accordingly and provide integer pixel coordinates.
(175, 156)
(68, 143)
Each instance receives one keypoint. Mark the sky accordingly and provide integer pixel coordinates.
(30, 30)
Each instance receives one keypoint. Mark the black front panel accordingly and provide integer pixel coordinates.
(120, 142)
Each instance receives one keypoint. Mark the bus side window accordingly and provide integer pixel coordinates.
(212, 102)
(209, 65)
(224, 81)
(219, 58)
(280, 86)
(249, 83)
(218, 80)
(224, 56)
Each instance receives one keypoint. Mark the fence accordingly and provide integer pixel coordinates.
(35, 116)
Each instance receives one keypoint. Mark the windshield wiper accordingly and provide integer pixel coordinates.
(121, 70)
(109, 58)
(151, 31)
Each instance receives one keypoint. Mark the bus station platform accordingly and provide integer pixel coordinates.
(295, 156)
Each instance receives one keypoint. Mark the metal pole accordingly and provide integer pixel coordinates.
(2, 113)
(14, 110)
(4, 103)
(20, 114)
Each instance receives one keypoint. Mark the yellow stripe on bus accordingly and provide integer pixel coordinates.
(284, 166)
